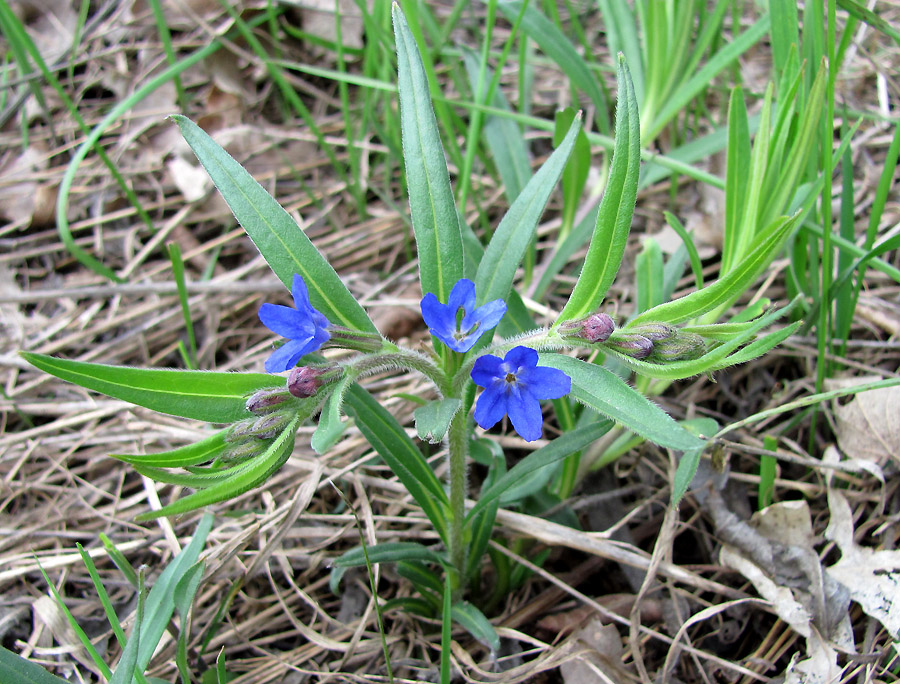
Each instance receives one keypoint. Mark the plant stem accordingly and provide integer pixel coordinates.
(458, 455)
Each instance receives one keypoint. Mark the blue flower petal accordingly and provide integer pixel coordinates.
(486, 369)
(305, 327)
(515, 385)
(460, 333)
(491, 406)
(548, 383)
(525, 414)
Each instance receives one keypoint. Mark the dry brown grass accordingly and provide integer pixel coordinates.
(637, 565)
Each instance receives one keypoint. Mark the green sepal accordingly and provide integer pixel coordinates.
(192, 454)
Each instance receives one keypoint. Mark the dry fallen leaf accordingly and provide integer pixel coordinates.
(601, 660)
(872, 577)
(868, 426)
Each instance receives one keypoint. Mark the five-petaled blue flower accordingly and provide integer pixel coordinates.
(458, 324)
(516, 385)
(305, 327)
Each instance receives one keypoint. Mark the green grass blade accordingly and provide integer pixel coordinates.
(504, 254)
(616, 208)
(648, 271)
(476, 624)
(622, 36)
(178, 274)
(715, 64)
(200, 395)
(279, 239)
(558, 48)
(432, 207)
(389, 552)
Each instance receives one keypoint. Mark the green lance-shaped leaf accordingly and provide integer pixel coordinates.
(192, 454)
(432, 208)
(513, 236)
(475, 623)
(331, 427)
(606, 393)
(401, 454)
(724, 291)
(616, 208)
(14, 668)
(276, 235)
(561, 447)
(245, 478)
(433, 419)
(199, 395)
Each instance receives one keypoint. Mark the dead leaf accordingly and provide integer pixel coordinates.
(319, 20)
(25, 198)
(601, 660)
(868, 426)
(872, 577)
(820, 667)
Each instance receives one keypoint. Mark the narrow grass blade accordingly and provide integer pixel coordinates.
(432, 207)
(504, 254)
(648, 270)
(178, 273)
(616, 208)
(277, 236)
(201, 395)
(128, 667)
(389, 552)
(558, 48)
(504, 138)
(476, 624)
(622, 35)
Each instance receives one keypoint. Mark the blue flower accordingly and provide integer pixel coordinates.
(516, 385)
(458, 324)
(305, 327)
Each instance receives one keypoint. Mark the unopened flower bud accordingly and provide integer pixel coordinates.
(304, 382)
(268, 427)
(240, 453)
(595, 328)
(655, 331)
(266, 400)
(631, 344)
(683, 347)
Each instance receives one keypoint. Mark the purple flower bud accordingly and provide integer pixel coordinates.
(240, 453)
(631, 344)
(266, 400)
(305, 381)
(595, 328)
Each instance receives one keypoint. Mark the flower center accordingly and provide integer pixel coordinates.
(511, 378)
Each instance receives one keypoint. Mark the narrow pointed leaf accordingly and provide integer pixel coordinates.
(433, 419)
(200, 395)
(14, 668)
(609, 395)
(246, 479)
(432, 207)
(276, 235)
(513, 236)
(390, 552)
(401, 454)
(192, 454)
(331, 427)
(616, 208)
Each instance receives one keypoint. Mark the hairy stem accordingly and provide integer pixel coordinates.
(458, 455)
